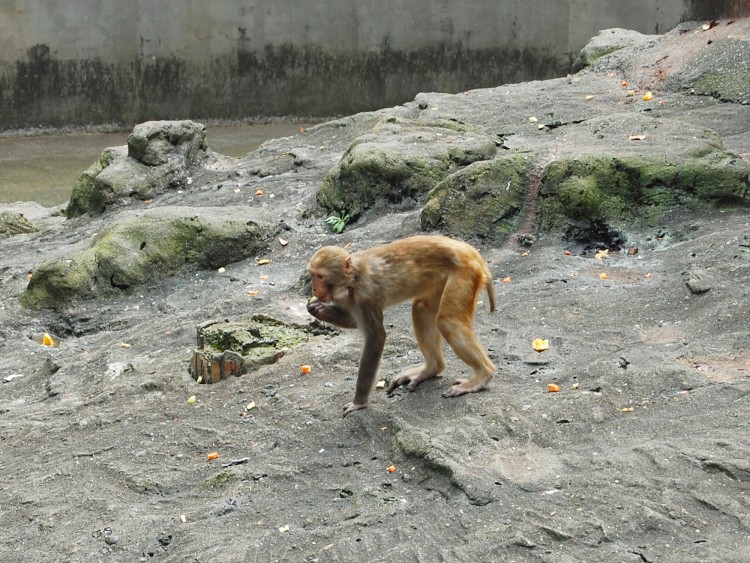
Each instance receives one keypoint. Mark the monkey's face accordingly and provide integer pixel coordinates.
(331, 271)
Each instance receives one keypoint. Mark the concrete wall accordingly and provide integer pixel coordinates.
(96, 61)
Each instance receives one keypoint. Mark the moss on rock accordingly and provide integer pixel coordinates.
(398, 163)
(484, 199)
(142, 249)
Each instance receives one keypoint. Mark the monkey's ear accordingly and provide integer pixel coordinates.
(348, 265)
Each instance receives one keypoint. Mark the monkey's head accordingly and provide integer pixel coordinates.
(332, 273)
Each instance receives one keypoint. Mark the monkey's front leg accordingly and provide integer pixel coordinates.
(368, 365)
(331, 313)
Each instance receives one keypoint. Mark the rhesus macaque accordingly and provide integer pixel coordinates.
(441, 276)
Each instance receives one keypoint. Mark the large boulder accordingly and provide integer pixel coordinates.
(399, 162)
(159, 156)
(145, 247)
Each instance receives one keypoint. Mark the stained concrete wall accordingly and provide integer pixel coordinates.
(96, 61)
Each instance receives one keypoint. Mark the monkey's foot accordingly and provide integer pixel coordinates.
(411, 378)
(349, 408)
(464, 386)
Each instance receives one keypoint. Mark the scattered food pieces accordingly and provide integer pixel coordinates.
(124, 345)
(647, 276)
(709, 25)
(633, 251)
(533, 119)
(627, 409)
(391, 468)
(283, 241)
(191, 400)
(263, 262)
(183, 518)
(380, 384)
(630, 93)
(284, 529)
(506, 279)
(305, 369)
(221, 270)
(47, 340)
(553, 387)
(525, 254)
(568, 253)
(648, 96)
(253, 292)
(250, 406)
(540, 344)
(624, 83)
(602, 254)
(213, 455)
(589, 97)
(602, 276)
(258, 192)
(637, 137)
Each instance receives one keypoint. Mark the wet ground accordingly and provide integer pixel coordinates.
(43, 168)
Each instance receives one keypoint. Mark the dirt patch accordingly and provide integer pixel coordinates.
(640, 456)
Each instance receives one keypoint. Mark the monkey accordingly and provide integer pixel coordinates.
(441, 276)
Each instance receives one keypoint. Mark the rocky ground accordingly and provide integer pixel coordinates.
(642, 455)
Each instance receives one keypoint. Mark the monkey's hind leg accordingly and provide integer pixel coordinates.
(455, 324)
(423, 314)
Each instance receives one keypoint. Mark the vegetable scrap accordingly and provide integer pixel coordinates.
(305, 369)
(191, 400)
(506, 279)
(263, 262)
(553, 387)
(602, 276)
(540, 344)
(213, 455)
(391, 468)
(47, 340)
(648, 96)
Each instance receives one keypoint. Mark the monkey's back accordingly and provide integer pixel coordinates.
(419, 266)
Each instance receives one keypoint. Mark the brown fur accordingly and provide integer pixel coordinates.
(440, 275)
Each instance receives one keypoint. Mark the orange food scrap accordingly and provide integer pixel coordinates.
(47, 340)
(213, 455)
(305, 369)
(391, 468)
(506, 279)
(258, 192)
(540, 344)
(648, 96)
(252, 292)
(602, 276)
(624, 83)
(568, 253)
(553, 387)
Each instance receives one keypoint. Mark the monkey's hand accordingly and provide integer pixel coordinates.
(349, 408)
(331, 313)
(318, 309)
